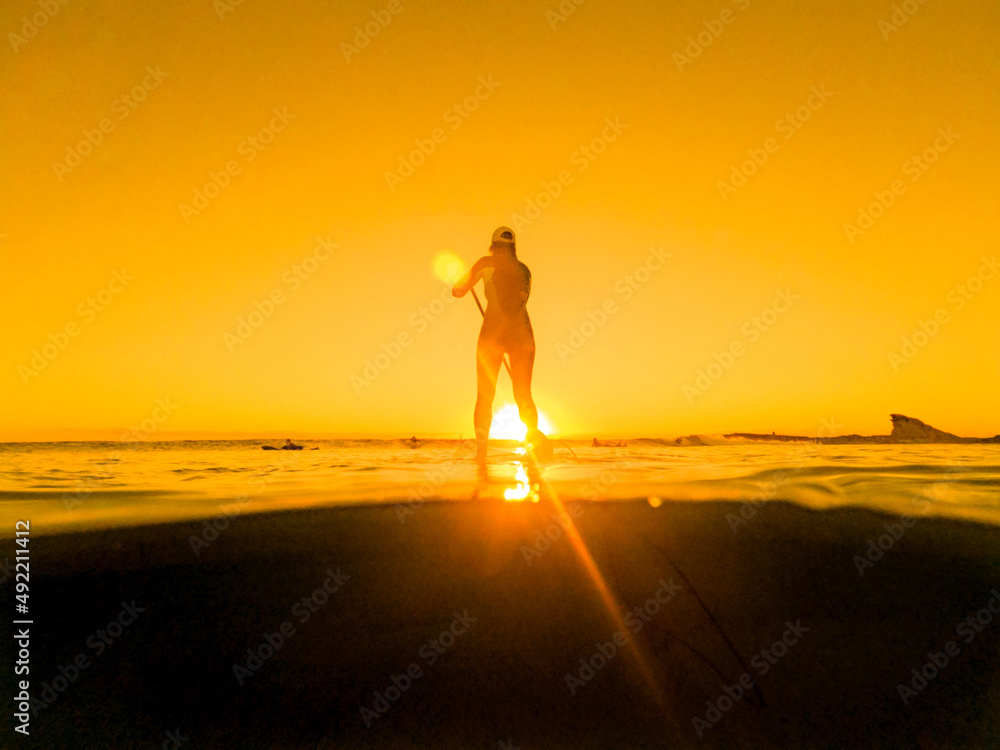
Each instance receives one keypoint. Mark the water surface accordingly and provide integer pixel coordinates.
(74, 485)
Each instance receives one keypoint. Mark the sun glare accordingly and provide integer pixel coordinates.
(507, 424)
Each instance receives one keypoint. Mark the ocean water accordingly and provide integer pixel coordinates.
(85, 485)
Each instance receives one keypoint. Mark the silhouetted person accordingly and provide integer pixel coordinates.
(290, 446)
(506, 329)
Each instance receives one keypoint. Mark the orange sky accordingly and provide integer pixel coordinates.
(833, 106)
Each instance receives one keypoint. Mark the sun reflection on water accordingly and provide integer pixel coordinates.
(523, 490)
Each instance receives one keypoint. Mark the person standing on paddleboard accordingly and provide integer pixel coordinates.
(506, 330)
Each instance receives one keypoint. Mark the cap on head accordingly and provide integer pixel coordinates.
(503, 235)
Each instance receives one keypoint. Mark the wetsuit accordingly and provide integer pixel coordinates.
(506, 329)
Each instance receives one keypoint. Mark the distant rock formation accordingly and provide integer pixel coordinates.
(910, 430)
(904, 430)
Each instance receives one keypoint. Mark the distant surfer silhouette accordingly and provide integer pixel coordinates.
(506, 330)
(290, 446)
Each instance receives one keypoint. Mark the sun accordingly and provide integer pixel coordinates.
(507, 425)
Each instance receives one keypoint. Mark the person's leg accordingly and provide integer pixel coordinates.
(489, 355)
(522, 362)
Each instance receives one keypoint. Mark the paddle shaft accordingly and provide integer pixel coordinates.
(483, 313)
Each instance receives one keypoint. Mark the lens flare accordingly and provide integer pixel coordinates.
(448, 267)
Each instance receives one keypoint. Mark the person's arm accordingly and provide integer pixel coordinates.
(464, 284)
